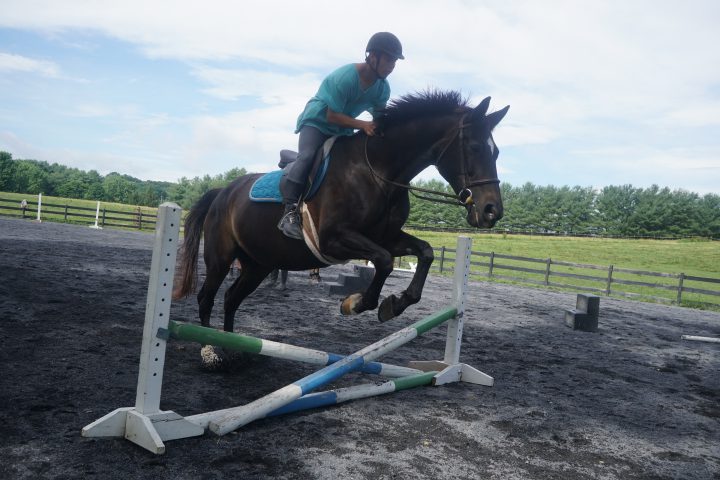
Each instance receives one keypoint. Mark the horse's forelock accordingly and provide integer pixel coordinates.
(421, 104)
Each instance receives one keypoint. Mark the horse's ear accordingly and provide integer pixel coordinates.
(482, 108)
(494, 118)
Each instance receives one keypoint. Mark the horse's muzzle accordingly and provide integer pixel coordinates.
(484, 215)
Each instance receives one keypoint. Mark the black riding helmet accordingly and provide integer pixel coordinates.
(387, 43)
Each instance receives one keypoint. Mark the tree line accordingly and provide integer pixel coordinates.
(33, 177)
(615, 210)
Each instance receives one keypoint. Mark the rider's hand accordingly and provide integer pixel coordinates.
(369, 128)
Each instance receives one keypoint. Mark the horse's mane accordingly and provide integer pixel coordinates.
(421, 104)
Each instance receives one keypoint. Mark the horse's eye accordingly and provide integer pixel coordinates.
(475, 148)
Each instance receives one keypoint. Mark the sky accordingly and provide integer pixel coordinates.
(601, 92)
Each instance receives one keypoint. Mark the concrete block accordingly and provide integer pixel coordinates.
(589, 304)
(348, 283)
(581, 321)
(365, 272)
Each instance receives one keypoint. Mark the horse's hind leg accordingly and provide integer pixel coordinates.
(250, 278)
(217, 268)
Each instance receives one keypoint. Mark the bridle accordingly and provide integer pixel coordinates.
(465, 196)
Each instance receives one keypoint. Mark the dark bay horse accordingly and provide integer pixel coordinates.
(360, 209)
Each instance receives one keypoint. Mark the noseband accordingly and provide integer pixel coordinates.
(465, 196)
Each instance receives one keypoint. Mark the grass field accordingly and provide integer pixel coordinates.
(691, 256)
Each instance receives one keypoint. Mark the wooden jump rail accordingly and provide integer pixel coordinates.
(148, 426)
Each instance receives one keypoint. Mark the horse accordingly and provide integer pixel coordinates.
(359, 210)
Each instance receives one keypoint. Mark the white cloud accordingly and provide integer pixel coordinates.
(19, 63)
(270, 88)
(706, 114)
(570, 70)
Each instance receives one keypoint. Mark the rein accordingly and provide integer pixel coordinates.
(461, 199)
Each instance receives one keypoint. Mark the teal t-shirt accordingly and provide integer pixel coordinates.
(341, 91)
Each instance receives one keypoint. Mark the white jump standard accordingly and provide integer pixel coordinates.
(148, 426)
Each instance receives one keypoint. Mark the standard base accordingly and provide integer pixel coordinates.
(148, 431)
(459, 372)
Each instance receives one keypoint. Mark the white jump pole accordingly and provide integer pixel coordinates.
(450, 368)
(145, 424)
(97, 217)
(39, 207)
(701, 339)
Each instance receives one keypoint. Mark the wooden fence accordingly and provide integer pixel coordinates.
(673, 288)
(142, 218)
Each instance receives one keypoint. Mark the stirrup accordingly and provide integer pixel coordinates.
(291, 224)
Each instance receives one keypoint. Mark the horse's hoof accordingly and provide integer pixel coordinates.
(212, 359)
(347, 307)
(386, 310)
(218, 359)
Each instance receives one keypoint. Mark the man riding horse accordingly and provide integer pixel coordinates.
(342, 96)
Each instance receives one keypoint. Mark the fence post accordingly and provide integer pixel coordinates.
(547, 271)
(140, 221)
(492, 263)
(442, 257)
(65, 213)
(609, 280)
(97, 215)
(680, 288)
(103, 219)
(39, 206)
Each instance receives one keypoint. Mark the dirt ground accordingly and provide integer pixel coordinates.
(631, 401)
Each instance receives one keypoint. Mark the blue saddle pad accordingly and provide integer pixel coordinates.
(267, 187)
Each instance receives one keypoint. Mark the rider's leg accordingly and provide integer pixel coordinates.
(310, 140)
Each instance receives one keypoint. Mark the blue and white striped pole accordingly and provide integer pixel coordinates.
(227, 420)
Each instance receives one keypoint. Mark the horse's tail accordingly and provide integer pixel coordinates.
(186, 278)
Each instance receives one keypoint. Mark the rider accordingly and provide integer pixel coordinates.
(342, 96)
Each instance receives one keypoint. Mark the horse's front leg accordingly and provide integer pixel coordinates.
(406, 244)
(350, 244)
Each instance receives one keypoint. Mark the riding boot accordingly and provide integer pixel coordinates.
(290, 223)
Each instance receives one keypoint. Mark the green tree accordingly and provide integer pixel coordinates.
(118, 188)
(30, 177)
(93, 186)
(7, 172)
(188, 191)
(616, 205)
(708, 213)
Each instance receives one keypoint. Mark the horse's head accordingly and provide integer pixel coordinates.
(468, 164)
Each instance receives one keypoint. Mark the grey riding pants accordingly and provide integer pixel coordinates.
(311, 139)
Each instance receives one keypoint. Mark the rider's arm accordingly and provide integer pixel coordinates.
(348, 122)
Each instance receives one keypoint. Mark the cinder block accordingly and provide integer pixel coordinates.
(365, 272)
(581, 321)
(347, 283)
(589, 304)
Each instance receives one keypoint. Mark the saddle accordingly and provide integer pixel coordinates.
(267, 187)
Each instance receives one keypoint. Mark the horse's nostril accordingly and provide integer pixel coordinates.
(490, 212)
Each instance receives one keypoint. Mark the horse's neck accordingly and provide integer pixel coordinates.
(411, 150)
